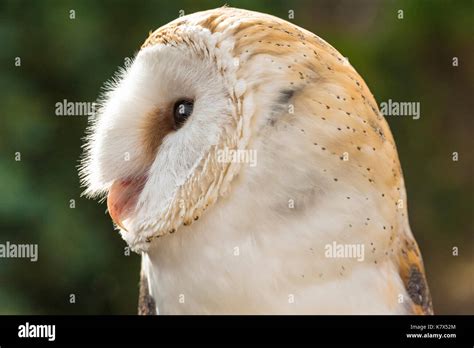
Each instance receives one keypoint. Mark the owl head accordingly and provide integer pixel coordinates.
(223, 81)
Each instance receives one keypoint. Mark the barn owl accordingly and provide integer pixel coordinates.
(247, 162)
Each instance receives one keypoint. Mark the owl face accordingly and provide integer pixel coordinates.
(213, 81)
(152, 146)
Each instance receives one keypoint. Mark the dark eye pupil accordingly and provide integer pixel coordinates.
(182, 110)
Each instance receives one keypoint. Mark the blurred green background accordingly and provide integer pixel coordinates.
(407, 59)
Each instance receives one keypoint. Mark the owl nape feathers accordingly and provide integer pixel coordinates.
(248, 163)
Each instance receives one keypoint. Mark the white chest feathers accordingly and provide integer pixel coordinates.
(294, 245)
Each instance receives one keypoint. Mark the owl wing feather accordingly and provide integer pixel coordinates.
(412, 273)
(146, 303)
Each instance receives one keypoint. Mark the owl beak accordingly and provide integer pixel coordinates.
(123, 197)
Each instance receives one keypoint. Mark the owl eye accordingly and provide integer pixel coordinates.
(182, 109)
